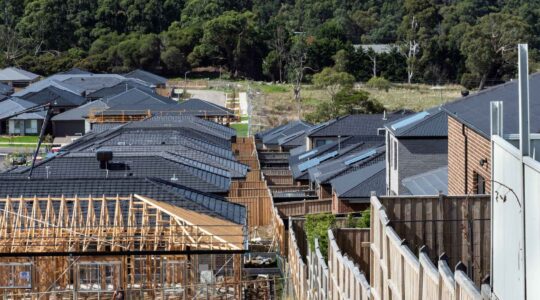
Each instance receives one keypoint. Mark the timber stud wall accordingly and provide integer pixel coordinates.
(466, 148)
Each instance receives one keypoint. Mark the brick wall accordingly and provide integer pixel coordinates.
(462, 157)
(342, 207)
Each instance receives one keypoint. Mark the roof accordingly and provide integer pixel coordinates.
(80, 84)
(147, 77)
(186, 172)
(5, 89)
(317, 156)
(377, 48)
(354, 125)
(156, 189)
(38, 115)
(80, 113)
(76, 71)
(16, 74)
(138, 97)
(361, 183)
(200, 107)
(13, 105)
(430, 123)
(56, 96)
(284, 133)
(119, 88)
(474, 109)
(359, 158)
(431, 182)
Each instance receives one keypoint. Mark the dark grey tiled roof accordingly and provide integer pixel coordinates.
(125, 85)
(360, 183)
(13, 105)
(56, 96)
(289, 130)
(355, 125)
(474, 109)
(80, 113)
(136, 96)
(360, 158)
(156, 189)
(192, 122)
(431, 123)
(16, 74)
(147, 77)
(186, 172)
(5, 89)
(201, 108)
(89, 83)
(428, 183)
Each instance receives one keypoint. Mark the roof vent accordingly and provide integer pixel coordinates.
(174, 178)
(104, 157)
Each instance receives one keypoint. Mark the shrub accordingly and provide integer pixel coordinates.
(364, 221)
(379, 83)
(316, 227)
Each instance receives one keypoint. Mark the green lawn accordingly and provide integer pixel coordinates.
(241, 129)
(19, 139)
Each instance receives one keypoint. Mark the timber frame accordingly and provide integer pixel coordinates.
(54, 245)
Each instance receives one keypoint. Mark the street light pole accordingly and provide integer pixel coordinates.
(185, 83)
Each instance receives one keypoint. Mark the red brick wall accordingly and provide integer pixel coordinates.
(462, 157)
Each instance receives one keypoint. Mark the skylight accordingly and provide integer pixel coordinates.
(410, 120)
(360, 157)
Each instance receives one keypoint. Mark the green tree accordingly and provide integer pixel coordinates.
(490, 45)
(349, 101)
(333, 81)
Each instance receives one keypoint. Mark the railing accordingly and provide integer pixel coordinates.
(300, 208)
(398, 273)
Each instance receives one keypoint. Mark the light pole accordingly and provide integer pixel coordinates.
(185, 82)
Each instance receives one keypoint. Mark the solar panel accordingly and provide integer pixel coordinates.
(308, 164)
(307, 154)
(410, 120)
(360, 157)
(328, 155)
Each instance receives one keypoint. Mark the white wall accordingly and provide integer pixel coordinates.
(508, 261)
(532, 227)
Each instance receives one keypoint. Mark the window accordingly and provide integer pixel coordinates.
(480, 184)
(16, 275)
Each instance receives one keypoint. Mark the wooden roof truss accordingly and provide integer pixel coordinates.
(103, 224)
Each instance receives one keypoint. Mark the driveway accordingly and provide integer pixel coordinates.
(215, 97)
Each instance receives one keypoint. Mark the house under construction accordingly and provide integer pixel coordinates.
(89, 247)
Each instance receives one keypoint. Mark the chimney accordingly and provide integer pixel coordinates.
(104, 157)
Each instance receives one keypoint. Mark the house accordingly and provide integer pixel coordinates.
(208, 110)
(352, 191)
(73, 165)
(469, 148)
(60, 100)
(156, 80)
(284, 137)
(76, 71)
(133, 105)
(9, 108)
(17, 78)
(74, 122)
(5, 90)
(416, 145)
(367, 126)
(119, 88)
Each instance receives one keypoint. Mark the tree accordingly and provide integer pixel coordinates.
(349, 101)
(333, 81)
(231, 40)
(491, 44)
(297, 68)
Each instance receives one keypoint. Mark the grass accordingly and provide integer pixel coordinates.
(276, 105)
(241, 129)
(19, 139)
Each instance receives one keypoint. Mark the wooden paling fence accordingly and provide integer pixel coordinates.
(301, 208)
(258, 209)
(340, 278)
(355, 242)
(458, 226)
(397, 273)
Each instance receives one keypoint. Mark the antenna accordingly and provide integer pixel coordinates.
(524, 130)
(174, 178)
(384, 115)
(47, 171)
